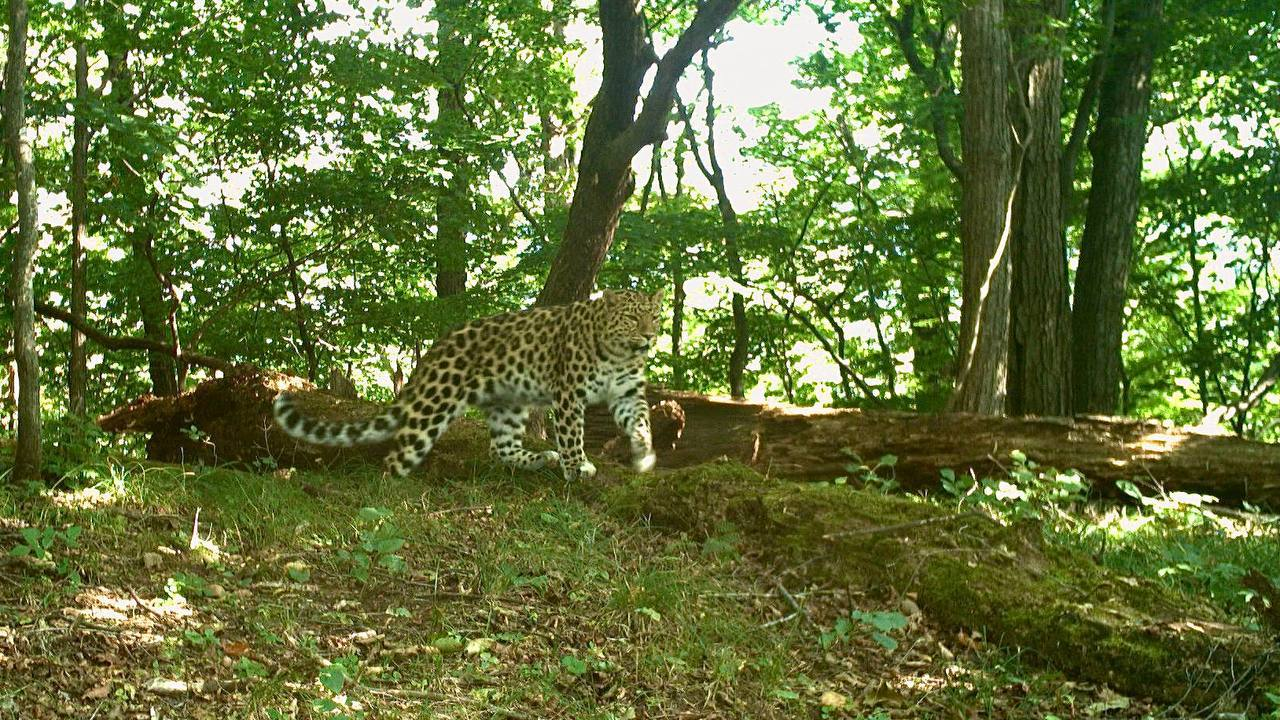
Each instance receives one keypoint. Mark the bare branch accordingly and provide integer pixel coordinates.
(114, 342)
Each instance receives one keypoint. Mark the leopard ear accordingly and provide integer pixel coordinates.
(610, 295)
(657, 296)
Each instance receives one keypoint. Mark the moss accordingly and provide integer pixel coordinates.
(969, 572)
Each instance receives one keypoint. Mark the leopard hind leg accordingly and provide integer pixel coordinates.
(426, 421)
(506, 428)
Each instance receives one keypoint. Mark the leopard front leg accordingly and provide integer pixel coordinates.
(570, 411)
(631, 413)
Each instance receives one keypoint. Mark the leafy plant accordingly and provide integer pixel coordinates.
(870, 477)
(40, 543)
(379, 539)
(877, 623)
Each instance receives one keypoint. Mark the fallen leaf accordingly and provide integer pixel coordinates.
(235, 648)
(165, 686)
(98, 692)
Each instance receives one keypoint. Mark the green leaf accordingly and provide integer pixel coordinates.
(20, 551)
(71, 535)
(1018, 456)
(948, 474)
(885, 641)
(299, 573)
(333, 677)
(573, 665)
(649, 613)
(30, 535)
(1129, 488)
(888, 460)
(389, 545)
(372, 514)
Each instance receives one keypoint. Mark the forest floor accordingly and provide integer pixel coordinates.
(170, 592)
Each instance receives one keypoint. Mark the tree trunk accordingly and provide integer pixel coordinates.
(452, 202)
(26, 464)
(151, 306)
(714, 174)
(985, 210)
(1040, 317)
(77, 372)
(615, 133)
(1107, 246)
(677, 319)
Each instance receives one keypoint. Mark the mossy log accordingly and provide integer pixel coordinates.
(233, 415)
(817, 444)
(968, 571)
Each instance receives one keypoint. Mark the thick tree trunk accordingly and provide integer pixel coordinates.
(985, 210)
(1107, 246)
(77, 372)
(1040, 314)
(452, 202)
(615, 133)
(27, 454)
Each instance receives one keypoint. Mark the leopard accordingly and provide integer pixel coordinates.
(565, 357)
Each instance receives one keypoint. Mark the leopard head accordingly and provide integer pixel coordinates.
(630, 321)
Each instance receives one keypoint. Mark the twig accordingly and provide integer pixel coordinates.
(148, 608)
(782, 590)
(906, 525)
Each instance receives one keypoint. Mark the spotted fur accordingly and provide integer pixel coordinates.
(565, 357)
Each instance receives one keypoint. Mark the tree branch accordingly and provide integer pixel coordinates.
(904, 30)
(1088, 97)
(113, 342)
(650, 125)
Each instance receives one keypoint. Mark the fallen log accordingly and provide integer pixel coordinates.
(229, 420)
(970, 572)
(233, 418)
(821, 444)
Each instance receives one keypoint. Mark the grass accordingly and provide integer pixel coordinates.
(215, 593)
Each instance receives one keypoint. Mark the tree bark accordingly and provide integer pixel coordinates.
(452, 202)
(1040, 311)
(77, 371)
(985, 210)
(26, 464)
(615, 133)
(151, 306)
(1107, 246)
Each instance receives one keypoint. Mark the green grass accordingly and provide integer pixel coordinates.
(479, 595)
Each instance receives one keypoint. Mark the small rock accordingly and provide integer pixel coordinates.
(910, 608)
(833, 699)
(214, 590)
(151, 560)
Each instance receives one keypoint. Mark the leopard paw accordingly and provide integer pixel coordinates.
(644, 463)
(585, 471)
